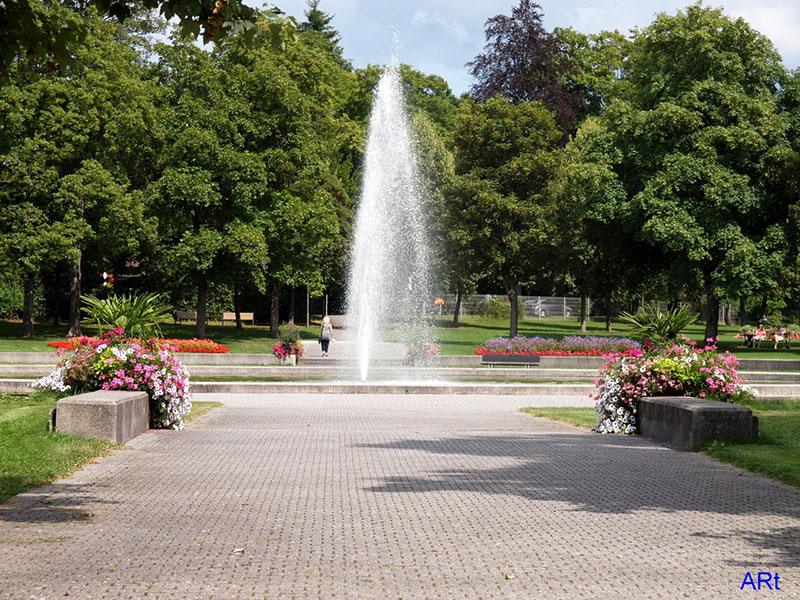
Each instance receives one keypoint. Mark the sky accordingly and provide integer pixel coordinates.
(439, 36)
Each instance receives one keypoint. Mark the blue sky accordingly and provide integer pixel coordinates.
(439, 36)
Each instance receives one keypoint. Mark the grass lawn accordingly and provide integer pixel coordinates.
(30, 456)
(776, 454)
(461, 340)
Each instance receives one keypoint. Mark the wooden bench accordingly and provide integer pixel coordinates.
(184, 315)
(528, 360)
(231, 316)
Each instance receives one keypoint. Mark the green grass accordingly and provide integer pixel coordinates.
(579, 417)
(461, 340)
(30, 456)
(776, 454)
(201, 408)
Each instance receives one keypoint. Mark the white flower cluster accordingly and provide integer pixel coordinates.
(615, 417)
(53, 381)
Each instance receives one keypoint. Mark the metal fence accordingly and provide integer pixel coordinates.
(542, 307)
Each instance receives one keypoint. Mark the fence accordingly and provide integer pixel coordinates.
(540, 307)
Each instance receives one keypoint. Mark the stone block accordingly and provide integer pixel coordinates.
(106, 415)
(691, 423)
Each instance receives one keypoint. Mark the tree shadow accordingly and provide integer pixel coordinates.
(592, 472)
(57, 503)
(783, 542)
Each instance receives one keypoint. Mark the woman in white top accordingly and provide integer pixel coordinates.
(326, 335)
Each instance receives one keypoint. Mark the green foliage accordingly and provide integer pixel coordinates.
(658, 326)
(289, 334)
(139, 316)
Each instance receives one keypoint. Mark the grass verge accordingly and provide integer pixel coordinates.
(579, 417)
(30, 456)
(776, 454)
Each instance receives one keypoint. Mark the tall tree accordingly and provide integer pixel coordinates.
(702, 143)
(504, 159)
(523, 62)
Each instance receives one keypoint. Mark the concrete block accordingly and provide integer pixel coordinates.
(691, 423)
(106, 415)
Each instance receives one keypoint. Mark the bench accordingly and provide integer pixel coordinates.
(106, 415)
(528, 360)
(231, 316)
(184, 315)
(693, 423)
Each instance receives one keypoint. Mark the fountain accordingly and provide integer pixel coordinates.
(390, 284)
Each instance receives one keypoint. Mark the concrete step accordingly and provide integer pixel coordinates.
(765, 391)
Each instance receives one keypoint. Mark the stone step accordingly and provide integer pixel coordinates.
(766, 391)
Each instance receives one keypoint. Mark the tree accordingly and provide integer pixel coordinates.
(702, 144)
(598, 65)
(522, 62)
(52, 30)
(317, 31)
(504, 159)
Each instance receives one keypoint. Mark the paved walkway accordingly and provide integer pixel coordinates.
(398, 497)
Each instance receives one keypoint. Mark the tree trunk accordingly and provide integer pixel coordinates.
(742, 311)
(513, 297)
(712, 309)
(607, 302)
(27, 307)
(584, 314)
(459, 298)
(763, 312)
(275, 315)
(56, 300)
(728, 308)
(75, 298)
(236, 307)
(291, 306)
(202, 295)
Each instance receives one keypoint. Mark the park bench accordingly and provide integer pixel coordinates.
(231, 316)
(184, 315)
(693, 423)
(528, 360)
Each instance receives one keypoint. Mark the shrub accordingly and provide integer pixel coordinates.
(571, 345)
(289, 343)
(138, 315)
(680, 369)
(658, 326)
(115, 362)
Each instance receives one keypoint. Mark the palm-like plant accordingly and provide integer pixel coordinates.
(137, 315)
(659, 326)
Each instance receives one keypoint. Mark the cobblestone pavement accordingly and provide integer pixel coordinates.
(398, 497)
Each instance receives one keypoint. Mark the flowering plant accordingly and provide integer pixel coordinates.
(175, 345)
(285, 349)
(424, 352)
(681, 369)
(571, 345)
(114, 362)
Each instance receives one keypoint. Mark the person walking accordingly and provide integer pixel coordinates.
(326, 335)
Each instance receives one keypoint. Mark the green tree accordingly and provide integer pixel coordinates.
(504, 159)
(701, 139)
(53, 30)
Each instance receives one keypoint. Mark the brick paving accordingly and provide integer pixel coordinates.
(397, 497)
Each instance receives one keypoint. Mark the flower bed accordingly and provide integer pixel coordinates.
(114, 362)
(681, 369)
(175, 345)
(571, 345)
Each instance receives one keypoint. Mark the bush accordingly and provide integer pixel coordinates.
(571, 345)
(658, 326)
(681, 369)
(138, 315)
(289, 342)
(115, 362)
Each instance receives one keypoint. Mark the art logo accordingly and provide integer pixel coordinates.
(765, 578)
